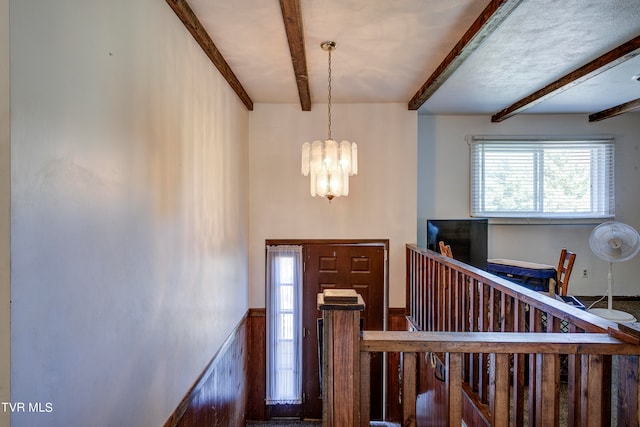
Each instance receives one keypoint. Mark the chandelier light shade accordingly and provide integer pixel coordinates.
(329, 164)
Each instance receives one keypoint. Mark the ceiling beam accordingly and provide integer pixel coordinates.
(599, 65)
(193, 25)
(292, 17)
(491, 17)
(614, 111)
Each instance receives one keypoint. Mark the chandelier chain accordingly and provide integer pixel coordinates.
(329, 164)
(329, 104)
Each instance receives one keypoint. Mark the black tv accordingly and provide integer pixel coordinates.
(467, 238)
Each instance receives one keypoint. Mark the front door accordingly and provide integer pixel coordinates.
(342, 266)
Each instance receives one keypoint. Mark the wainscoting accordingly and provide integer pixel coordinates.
(257, 372)
(228, 391)
(232, 389)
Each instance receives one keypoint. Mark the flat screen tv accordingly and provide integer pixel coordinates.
(467, 238)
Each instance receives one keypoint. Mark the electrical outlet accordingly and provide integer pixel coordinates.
(585, 273)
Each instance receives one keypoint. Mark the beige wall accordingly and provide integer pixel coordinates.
(443, 191)
(5, 214)
(382, 199)
(130, 211)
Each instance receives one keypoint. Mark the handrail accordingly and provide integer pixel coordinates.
(585, 320)
(495, 342)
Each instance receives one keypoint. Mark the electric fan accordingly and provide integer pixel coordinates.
(614, 242)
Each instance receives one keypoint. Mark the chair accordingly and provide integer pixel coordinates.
(565, 265)
(445, 249)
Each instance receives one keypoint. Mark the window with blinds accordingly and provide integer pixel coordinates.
(542, 178)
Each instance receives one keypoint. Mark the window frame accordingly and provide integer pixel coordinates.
(602, 171)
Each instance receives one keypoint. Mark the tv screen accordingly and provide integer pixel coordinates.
(467, 238)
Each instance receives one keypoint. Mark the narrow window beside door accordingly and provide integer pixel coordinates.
(284, 324)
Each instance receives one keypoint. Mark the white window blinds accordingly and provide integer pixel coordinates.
(527, 178)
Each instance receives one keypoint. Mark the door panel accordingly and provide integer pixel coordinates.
(341, 266)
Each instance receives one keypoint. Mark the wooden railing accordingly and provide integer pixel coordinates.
(502, 353)
(501, 349)
(445, 295)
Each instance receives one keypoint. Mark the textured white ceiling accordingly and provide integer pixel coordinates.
(388, 49)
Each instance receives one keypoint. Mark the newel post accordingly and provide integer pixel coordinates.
(340, 357)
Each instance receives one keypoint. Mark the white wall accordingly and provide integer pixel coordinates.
(382, 199)
(130, 211)
(443, 191)
(5, 214)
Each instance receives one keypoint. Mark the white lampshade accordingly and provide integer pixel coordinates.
(330, 164)
(354, 159)
(306, 153)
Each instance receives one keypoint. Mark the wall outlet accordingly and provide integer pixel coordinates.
(585, 273)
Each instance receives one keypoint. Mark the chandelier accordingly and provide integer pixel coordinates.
(328, 163)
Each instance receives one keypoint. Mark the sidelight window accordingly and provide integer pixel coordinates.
(284, 324)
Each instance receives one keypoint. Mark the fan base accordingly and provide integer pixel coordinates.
(614, 315)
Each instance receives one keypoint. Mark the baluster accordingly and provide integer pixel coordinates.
(574, 389)
(409, 389)
(499, 389)
(535, 325)
(592, 384)
(519, 366)
(365, 388)
(475, 317)
(431, 324)
(454, 385)
(547, 389)
(483, 375)
(411, 283)
(628, 391)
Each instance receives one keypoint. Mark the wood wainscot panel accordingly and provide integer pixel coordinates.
(219, 396)
(257, 367)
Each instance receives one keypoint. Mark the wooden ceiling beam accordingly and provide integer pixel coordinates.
(193, 25)
(599, 65)
(491, 17)
(292, 17)
(614, 111)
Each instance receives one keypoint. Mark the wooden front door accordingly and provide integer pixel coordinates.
(342, 266)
